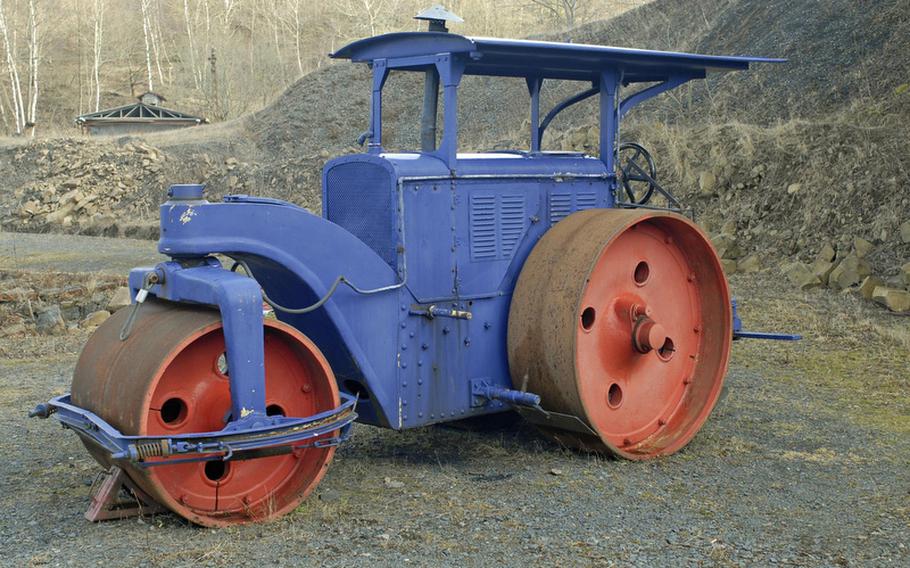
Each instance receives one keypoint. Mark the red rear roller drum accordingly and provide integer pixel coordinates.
(622, 318)
(169, 377)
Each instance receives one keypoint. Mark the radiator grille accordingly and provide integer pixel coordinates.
(359, 197)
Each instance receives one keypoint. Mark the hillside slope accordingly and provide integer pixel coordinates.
(832, 121)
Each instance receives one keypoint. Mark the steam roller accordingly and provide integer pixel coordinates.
(435, 287)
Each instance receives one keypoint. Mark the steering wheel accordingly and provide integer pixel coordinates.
(637, 172)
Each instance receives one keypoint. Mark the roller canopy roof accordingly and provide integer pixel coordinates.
(544, 59)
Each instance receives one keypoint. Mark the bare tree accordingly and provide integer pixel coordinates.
(295, 11)
(564, 12)
(52, 47)
(13, 70)
(146, 32)
(98, 38)
(34, 58)
(366, 13)
(191, 45)
(159, 45)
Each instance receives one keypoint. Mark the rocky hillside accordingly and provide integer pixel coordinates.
(784, 160)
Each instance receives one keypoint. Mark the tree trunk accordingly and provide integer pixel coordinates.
(12, 68)
(146, 31)
(297, 35)
(34, 45)
(96, 52)
(191, 46)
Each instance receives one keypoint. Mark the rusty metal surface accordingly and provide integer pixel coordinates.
(544, 323)
(173, 351)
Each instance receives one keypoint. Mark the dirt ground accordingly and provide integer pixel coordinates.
(804, 462)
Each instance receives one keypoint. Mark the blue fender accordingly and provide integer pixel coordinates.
(296, 256)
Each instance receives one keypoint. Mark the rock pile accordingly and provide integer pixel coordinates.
(851, 272)
(83, 186)
(113, 188)
(55, 303)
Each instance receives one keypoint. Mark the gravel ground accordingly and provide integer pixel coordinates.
(805, 462)
(74, 253)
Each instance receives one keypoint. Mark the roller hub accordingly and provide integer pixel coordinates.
(648, 334)
(622, 318)
(170, 377)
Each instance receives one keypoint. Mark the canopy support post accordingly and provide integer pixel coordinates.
(534, 84)
(380, 74)
(609, 118)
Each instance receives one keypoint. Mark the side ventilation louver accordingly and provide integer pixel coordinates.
(497, 225)
(512, 222)
(563, 203)
(483, 227)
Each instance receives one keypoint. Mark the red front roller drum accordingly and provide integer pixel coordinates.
(622, 318)
(170, 377)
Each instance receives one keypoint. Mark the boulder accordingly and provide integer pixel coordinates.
(862, 247)
(827, 253)
(905, 275)
(121, 299)
(61, 213)
(749, 264)
(95, 319)
(869, 285)
(794, 188)
(50, 321)
(892, 298)
(707, 181)
(849, 272)
(728, 265)
(71, 197)
(822, 269)
(726, 247)
(905, 231)
(801, 277)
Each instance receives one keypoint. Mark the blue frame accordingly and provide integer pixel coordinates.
(607, 68)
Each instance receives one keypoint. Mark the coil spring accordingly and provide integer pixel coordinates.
(152, 450)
